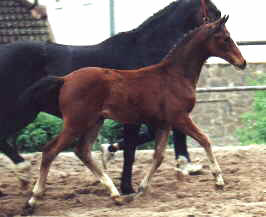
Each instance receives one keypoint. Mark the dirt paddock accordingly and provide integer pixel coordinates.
(73, 191)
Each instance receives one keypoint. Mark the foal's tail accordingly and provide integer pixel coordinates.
(43, 91)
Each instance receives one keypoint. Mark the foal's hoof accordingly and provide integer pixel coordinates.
(219, 183)
(27, 210)
(219, 187)
(118, 200)
(142, 190)
(121, 200)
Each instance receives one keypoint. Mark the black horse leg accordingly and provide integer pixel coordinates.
(11, 152)
(180, 144)
(9, 126)
(129, 146)
(132, 139)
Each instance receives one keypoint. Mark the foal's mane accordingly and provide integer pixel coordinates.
(187, 37)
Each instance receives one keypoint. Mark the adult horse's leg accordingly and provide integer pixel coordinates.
(11, 152)
(183, 162)
(186, 125)
(161, 139)
(135, 138)
(21, 167)
(131, 141)
(180, 145)
(83, 151)
(9, 126)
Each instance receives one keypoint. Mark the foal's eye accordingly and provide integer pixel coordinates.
(227, 39)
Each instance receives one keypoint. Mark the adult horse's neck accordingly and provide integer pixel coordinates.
(152, 40)
(187, 57)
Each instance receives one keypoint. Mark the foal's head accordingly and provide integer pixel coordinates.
(220, 44)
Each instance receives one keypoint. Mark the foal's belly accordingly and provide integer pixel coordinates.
(127, 114)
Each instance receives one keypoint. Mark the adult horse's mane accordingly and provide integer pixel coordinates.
(157, 16)
(151, 20)
(170, 9)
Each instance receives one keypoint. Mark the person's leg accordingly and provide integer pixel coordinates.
(183, 161)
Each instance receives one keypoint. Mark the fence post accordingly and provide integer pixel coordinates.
(112, 17)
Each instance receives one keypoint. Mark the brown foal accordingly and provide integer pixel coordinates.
(161, 95)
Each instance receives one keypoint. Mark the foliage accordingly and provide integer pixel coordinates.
(39, 132)
(111, 131)
(254, 131)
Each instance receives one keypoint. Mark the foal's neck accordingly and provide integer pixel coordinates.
(187, 61)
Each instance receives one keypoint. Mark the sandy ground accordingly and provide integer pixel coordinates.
(73, 191)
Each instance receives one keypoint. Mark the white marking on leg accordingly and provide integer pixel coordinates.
(107, 181)
(188, 127)
(161, 142)
(84, 153)
(39, 188)
(181, 165)
(215, 168)
(146, 180)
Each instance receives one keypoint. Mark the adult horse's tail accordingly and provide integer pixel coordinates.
(42, 91)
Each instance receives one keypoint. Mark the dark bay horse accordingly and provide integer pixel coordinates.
(161, 95)
(24, 63)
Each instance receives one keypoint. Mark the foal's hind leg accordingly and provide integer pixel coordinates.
(161, 139)
(186, 125)
(83, 151)
(51, 150)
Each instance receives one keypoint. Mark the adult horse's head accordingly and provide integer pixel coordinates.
(155, 37)
(220, 44)
(209, 11)
(193, 13)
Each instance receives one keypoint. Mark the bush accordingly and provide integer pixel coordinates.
(39, 132)
(254, 131)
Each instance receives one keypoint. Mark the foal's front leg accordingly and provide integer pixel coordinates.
(186, 125)
(161, 139)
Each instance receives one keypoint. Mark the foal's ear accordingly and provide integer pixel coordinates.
(217, 25)
(224, 19)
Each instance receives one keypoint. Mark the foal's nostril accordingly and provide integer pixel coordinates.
(243, 66)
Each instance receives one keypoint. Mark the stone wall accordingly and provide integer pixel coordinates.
(221, 117)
